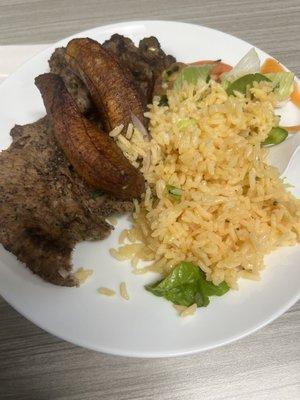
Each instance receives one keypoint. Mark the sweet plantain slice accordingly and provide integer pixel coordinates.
(110, 84)
(93, 154)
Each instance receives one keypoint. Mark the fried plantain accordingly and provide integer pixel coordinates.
(110, 84)
(93, 154)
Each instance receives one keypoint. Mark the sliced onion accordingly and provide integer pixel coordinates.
(139, 125)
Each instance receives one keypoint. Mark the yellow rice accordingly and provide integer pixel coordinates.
(124, 291)
(83, 274)
(189, 310)
(234, 207)
(106, 291)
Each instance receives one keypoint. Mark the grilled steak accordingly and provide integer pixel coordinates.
(145, 62)
(45, 208)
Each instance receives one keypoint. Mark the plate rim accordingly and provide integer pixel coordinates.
(145, 354)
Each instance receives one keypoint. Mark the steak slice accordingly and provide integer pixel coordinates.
(45, 207)
(146, 62)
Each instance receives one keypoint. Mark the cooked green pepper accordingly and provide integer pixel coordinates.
(174, 191)
(276, 136)
(185, 122)
(241, 84)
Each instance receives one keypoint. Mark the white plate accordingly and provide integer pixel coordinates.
(145, 326)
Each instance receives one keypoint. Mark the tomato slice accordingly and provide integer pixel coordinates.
(218, 69)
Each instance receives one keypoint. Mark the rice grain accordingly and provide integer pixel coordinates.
(106, 291)
(123, 291)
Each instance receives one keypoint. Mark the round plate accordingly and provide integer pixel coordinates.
(145, 326)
